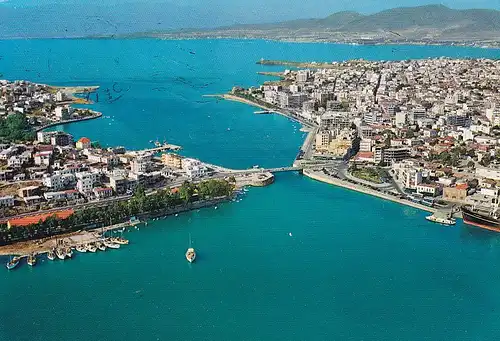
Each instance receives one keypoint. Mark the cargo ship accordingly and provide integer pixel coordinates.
(483, 219)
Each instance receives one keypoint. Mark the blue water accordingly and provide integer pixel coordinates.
(383, 273)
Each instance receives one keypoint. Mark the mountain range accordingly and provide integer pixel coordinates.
(427, 23)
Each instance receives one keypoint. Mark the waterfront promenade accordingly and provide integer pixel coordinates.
(319, 176)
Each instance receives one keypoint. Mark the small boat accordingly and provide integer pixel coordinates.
(190, 253)
(31, 260)
(51, 254)
(69, 252)
(61, 253)
(120, 240)
(81, 248)
(91, 247)
(441, 220)
(110, 244)
(13, 263)
(100, 246)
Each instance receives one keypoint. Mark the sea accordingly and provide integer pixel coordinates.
(298, 260)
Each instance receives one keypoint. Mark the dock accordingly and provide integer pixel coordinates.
(263, 112)
(158, 149)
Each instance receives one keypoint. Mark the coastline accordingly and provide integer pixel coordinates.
(357, 188)
(54, 124)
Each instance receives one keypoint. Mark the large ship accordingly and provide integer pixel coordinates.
(483, 219)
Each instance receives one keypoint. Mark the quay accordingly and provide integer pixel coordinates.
(164, 147)
(58, 123)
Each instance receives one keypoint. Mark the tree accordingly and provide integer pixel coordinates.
(471, 164)
(186, 191)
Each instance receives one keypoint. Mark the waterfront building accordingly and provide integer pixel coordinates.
(62, 113)
(323, 139)
(429, 189)
(171, 160)
(193, 168)
(83, 143)
(455, 194)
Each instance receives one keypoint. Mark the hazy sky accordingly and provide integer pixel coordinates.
(70, 18)
(281, 9)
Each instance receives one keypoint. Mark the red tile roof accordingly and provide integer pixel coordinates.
(25, 221)
(84, 140)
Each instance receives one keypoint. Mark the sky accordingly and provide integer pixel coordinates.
(90, 17)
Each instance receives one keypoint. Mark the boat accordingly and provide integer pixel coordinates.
(110, 244)
(120, 240)
(488, 220)
(441, 220)
(100, 246)
(69, 252)
(31, 260)
(190, 253)
(51, 254)
(13, 263)
(81, 248)
(91, 247)
(61, 253)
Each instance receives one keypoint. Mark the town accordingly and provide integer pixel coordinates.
(45, 174)
(424, 130)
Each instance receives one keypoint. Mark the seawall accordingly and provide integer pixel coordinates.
(361, 189)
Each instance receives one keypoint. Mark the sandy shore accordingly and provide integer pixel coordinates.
(337, 182)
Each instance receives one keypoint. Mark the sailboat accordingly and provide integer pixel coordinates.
(190, 253)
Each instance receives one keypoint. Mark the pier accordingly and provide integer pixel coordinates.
(164, 147)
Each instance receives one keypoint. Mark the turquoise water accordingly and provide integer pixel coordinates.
(382, 273)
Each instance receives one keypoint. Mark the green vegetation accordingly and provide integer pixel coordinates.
(15, 127)
(368, 174)
(119, 212)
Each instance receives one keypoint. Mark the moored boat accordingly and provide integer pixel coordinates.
(51, 255)
(100, 246)
(111, 244)
(69, 252)
(81, 248)
(488, 220)
(440, 220)
(13, 263)
(91, 247)
(61, 253)
(119, 240)
(31, 260)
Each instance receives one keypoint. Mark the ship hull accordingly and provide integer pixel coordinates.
(481, 220)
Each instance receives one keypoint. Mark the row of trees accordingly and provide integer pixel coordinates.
(120, 211)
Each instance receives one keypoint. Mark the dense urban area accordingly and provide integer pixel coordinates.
(425, 129)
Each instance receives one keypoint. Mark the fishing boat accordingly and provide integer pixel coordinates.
(91, 247)
(61, 253)
(190, 253)
(100, 246)
(111, 244)
(31, 260)
(441, 217)
(51, 254)
(81, 248)
(13, 263)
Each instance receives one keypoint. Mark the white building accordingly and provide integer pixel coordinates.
(85, 181)
(193, 168)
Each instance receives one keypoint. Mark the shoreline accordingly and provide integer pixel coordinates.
(357, 188)
(55, 124)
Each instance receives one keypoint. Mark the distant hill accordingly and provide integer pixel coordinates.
(428, 23)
